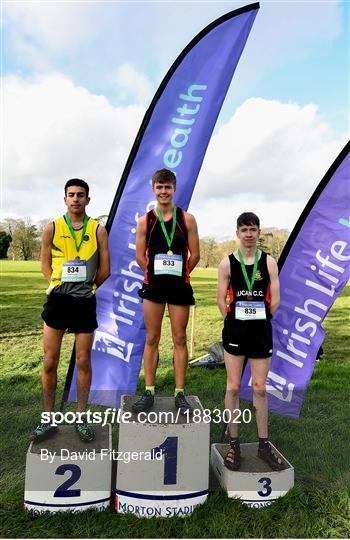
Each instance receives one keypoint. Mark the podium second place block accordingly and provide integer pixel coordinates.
(65, 474)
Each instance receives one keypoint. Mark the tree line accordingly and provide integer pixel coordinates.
(272, 240)
(20, 240)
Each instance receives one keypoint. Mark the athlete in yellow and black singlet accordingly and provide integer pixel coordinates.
(74, 260)
(64, 249)
(71, 300)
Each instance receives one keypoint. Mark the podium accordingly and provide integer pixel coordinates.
(65, 474)
(170, 473)
(255, 483)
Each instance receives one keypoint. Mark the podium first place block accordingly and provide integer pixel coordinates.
(255, 483)
(65, 474)
(170, 473)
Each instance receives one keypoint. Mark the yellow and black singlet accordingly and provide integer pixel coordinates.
(74, 258)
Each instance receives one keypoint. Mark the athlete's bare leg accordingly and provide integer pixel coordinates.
(178, 320)
(260, 368)
(52, 348)
(153, 316)
(234, 365)
(83, 344)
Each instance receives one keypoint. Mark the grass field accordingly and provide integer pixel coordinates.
(317, 444)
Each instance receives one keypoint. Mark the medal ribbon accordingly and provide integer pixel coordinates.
(70, 227)
(168, 238)
(244, 270)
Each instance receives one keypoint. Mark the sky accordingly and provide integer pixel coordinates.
(77, 78)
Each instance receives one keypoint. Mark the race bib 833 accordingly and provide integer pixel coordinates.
(168, 264)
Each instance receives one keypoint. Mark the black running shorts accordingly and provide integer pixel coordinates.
(64, 311)
(247, 338)
(179, 294)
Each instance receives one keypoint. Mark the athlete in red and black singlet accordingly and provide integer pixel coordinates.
(156, 243)
(252, 338)
(167, 250)
(247, 332)
(238, 287)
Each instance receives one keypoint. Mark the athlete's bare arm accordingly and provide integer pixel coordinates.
(141, 231)
(103, 271)
(274, 284)
(45, 251)
(223, 283)
(193, 241)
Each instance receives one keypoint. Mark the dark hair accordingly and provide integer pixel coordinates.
(77, 182)
(248, 218)
(164, 176)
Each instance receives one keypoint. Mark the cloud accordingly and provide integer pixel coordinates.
(49, 35)
(55, 130)
(56, 26)
(133, 85)
(273, 150)
(151, 35)
(217, 218)
(268, 157)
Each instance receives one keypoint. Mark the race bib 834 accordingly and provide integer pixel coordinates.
(74, 270)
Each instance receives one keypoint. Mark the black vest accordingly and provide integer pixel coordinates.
(156, 243)
(238, 289)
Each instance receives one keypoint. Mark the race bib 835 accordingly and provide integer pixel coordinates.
(250, 311)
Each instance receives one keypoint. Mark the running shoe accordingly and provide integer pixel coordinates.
(42, 432)
(145, 403)
(84, 431)
(182, 404)
(268, 455)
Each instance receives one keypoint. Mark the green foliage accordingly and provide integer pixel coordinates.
(209, 252)
(5, 240)
(271, 240)
(316, 444)
(263, 240)
(25, 242)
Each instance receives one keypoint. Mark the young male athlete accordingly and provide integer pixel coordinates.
(251, 276)
(74, 260)
(167, 249)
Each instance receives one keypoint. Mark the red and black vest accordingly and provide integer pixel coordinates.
(238, 290)
(156, 243)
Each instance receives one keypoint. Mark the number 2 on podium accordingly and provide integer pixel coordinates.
(62, 490)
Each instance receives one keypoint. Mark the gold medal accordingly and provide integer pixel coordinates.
(170, 252)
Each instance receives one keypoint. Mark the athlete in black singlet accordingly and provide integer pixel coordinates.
(164, 282)
(251, 277)
(167, 249)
